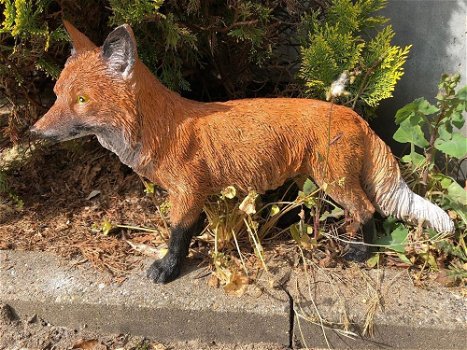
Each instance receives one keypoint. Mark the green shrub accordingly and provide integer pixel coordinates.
(340, 41)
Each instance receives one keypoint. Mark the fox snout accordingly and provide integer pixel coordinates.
(57, 126)
(37, 132)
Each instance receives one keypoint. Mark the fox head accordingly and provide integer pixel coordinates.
(95, 92)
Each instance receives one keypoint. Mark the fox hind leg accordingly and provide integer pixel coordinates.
(350, 195)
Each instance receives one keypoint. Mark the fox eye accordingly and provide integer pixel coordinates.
(82, 99)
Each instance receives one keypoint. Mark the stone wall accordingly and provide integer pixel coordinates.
(437, 29)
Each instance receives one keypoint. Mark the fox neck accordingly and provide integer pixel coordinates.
(158, 112)
(116, 141)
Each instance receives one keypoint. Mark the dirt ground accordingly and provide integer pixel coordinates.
(61, 198)
(36, 333)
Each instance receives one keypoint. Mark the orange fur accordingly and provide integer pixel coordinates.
(195, 149)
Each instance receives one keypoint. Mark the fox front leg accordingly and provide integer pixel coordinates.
(186, 223)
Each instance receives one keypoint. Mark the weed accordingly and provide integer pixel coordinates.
(438, 159)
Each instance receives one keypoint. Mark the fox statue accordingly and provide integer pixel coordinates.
(194, 149)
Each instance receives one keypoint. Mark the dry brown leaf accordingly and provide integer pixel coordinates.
(213, 281)
(148, 250)
(443, 278)
(237, 284)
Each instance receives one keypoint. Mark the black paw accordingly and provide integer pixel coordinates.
(164, 270)
(357, 252)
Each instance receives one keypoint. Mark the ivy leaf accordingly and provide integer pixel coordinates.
(455, 147)
(410, 133)
(396, 240)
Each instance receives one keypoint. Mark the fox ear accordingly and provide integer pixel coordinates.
(80, 41)
(119, 50)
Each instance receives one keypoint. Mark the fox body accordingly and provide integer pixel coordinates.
(195, 149)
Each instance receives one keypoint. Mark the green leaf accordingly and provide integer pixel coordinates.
(404, 258)
(295, 233)
(414, 158)
(456, 197)
(148, 188)
(420, 105)
(309, 187)
(405, 112)
(457, 116)
(373, 261)
(426, 108)
(445, 181)
(389, 224)
(396, 240)
(302, 238)
(410, 133)
(457, 119)
(445, 131)
(456, 193)
(462, 94)
(275, 210)
(455, 147)
(430, 259)
(106, 227)
(335, 213)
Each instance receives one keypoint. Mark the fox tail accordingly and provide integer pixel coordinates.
(390, 194)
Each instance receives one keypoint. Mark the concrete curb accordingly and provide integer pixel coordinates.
(187, 309)
(405, 317)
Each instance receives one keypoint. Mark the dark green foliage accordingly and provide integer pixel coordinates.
(208, 50)
(215, 49)
(27, 48)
